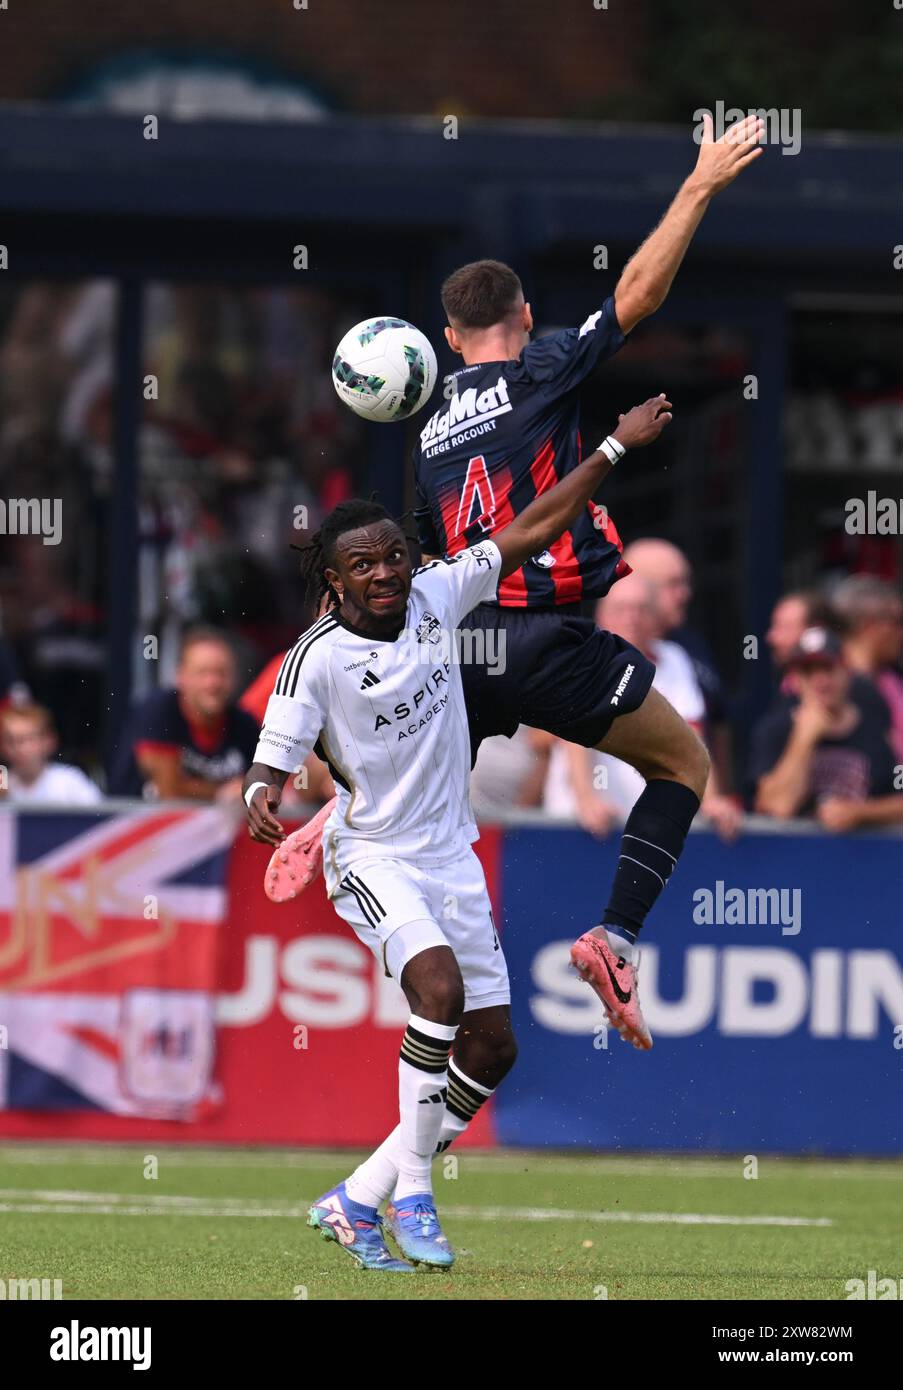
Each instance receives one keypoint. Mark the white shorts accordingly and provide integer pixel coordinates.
(449, 902)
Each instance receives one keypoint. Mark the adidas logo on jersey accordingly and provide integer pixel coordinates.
(464, 408)
(369, 679)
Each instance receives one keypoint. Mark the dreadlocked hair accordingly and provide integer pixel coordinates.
(319, 554)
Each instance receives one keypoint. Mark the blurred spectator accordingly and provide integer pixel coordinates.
(792, 615)
(192, 741)
(510, 772)
(316, 784)
(28, 742)
(669, 569)
(823, 757)
(601, 790)
(871, 610)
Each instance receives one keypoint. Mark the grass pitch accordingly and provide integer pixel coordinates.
(231, 1224)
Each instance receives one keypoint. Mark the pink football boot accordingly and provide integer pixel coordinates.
(298, 860)
(614, 980)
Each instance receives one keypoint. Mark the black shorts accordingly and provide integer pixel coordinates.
(550, 670)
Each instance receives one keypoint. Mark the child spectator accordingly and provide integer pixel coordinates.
(28, 742)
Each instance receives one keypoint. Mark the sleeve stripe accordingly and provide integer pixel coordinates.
(287, 680)
(293, 653)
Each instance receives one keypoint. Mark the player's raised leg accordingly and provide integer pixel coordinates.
(673, 760)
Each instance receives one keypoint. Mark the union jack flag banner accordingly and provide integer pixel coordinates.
(108, 956)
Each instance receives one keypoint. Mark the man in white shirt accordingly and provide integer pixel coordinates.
(28, 742)
(375, 687)
(597, 789)
(509, 773)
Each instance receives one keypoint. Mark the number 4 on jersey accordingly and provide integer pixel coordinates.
(478, 502)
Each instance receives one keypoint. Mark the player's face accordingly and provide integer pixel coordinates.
(372, 576)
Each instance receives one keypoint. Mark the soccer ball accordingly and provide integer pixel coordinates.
(384, 369)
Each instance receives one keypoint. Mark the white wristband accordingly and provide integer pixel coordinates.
(251, 790)
(613, 449)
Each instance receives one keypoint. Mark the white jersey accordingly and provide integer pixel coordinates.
(59, 784)
(389, 718)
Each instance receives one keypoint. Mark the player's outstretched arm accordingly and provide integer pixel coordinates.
(541, 523)
(648, 275)
(262, 824)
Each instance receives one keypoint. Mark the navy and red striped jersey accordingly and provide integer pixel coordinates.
(509, 432)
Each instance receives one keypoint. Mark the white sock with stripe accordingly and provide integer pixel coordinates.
(465, 1097)
(422, 1089)
(374, 1180)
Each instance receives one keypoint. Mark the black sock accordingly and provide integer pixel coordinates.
(651, 845)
